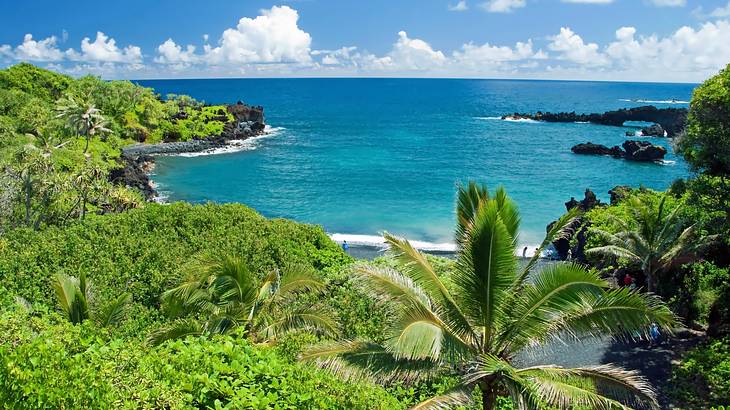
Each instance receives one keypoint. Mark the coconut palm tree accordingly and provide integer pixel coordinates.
(82, 117)
(225, 295)
(492, 310)
(658, 240)
(74, 297)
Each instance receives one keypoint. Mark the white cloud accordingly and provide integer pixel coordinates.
(171, 53)
(571, 47)
(669, 3)
(460, 6)
(104, 50)
(687, 50)
(471, 54)
(723, 11)
(588, 1)
(43, 50)
(503, 6)
(413, 54)
(272, 37)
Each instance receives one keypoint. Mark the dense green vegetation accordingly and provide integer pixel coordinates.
(60, 137)
(108, 301)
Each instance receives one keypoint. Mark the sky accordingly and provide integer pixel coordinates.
(615, 40)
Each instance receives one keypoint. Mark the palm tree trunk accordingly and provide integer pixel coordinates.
(86, 148)
(489, 400)
(649, 275)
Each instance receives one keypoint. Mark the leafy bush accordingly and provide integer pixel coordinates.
(48, 364)
(702, 379)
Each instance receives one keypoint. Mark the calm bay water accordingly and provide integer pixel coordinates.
(362, 156)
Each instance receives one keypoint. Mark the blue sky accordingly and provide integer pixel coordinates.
(644, 40)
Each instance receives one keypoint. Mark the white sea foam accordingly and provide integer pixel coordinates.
(642, 101)
(248, 144)
(508, 119)
(668, 162)
(378, 242)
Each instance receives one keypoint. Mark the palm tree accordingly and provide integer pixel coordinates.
(75, 295)
(659, 240)
(82, 117)
(493, 310)
(225, 295)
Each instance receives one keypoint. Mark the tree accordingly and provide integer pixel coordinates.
(75, 299)
(82, 117)
(657, 241)
(492, 311)
(225, 295)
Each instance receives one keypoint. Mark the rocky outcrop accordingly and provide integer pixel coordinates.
(171, 148)
(248, 121)
(133, 174)
(643, 151)
(590, 148)
(632, 150)
(577, 229)
(655, 130)
(672, 120)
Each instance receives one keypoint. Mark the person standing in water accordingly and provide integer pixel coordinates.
(524, 252)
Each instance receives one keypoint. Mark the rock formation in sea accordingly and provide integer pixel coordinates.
(641, 151)
(672, 120)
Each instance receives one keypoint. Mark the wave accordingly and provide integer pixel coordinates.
(508, 119)
(376, 241)
(643, 101)
(249, 144)
(668, 162)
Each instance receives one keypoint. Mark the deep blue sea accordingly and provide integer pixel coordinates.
(362, 156)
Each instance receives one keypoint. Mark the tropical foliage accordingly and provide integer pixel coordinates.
(75, 299)
(226, 296)
(493, 311)
(656, 239)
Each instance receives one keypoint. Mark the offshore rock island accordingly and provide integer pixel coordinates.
(672, 120)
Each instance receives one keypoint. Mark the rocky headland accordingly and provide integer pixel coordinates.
(671, 120)
(640, 151)
(138, 160)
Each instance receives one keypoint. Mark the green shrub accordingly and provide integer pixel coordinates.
(702, 379)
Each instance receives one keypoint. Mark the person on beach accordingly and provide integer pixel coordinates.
(524, 252)
(628, 280)
(654, 335)
(345, 246)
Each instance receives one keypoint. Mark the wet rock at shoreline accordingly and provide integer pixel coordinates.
(133, 174)
(671, 120)
(641, 151)
(655, 130)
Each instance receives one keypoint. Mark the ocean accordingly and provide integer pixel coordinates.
(363, 156)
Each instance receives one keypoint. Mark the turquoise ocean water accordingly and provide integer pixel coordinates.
(362, 156)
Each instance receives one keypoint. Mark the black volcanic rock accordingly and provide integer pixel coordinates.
(643, 151)
(133, 174)
(672, 120)
(632, 150)
(590, 148)
(577, 229)
(655, 130)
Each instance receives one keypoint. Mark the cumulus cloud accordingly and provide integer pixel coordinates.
(460, 6)
(487, 54)
(669, 3)
(503, 6)
(413, 54)
(723, 11)
(171, 53)
(43, 50)
(272, 37)
(571, 47)
(588, 1)
(104, 50)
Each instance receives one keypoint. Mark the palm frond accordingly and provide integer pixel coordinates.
(69, 297)
(179, 329)
(113, 313)
(459, 396)
(615, 251)
(469, 200)
(549, 293)
(617, 386)
(485, 268)
(311, 319)
(300, 278)
(619, 312)
(355, 360)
